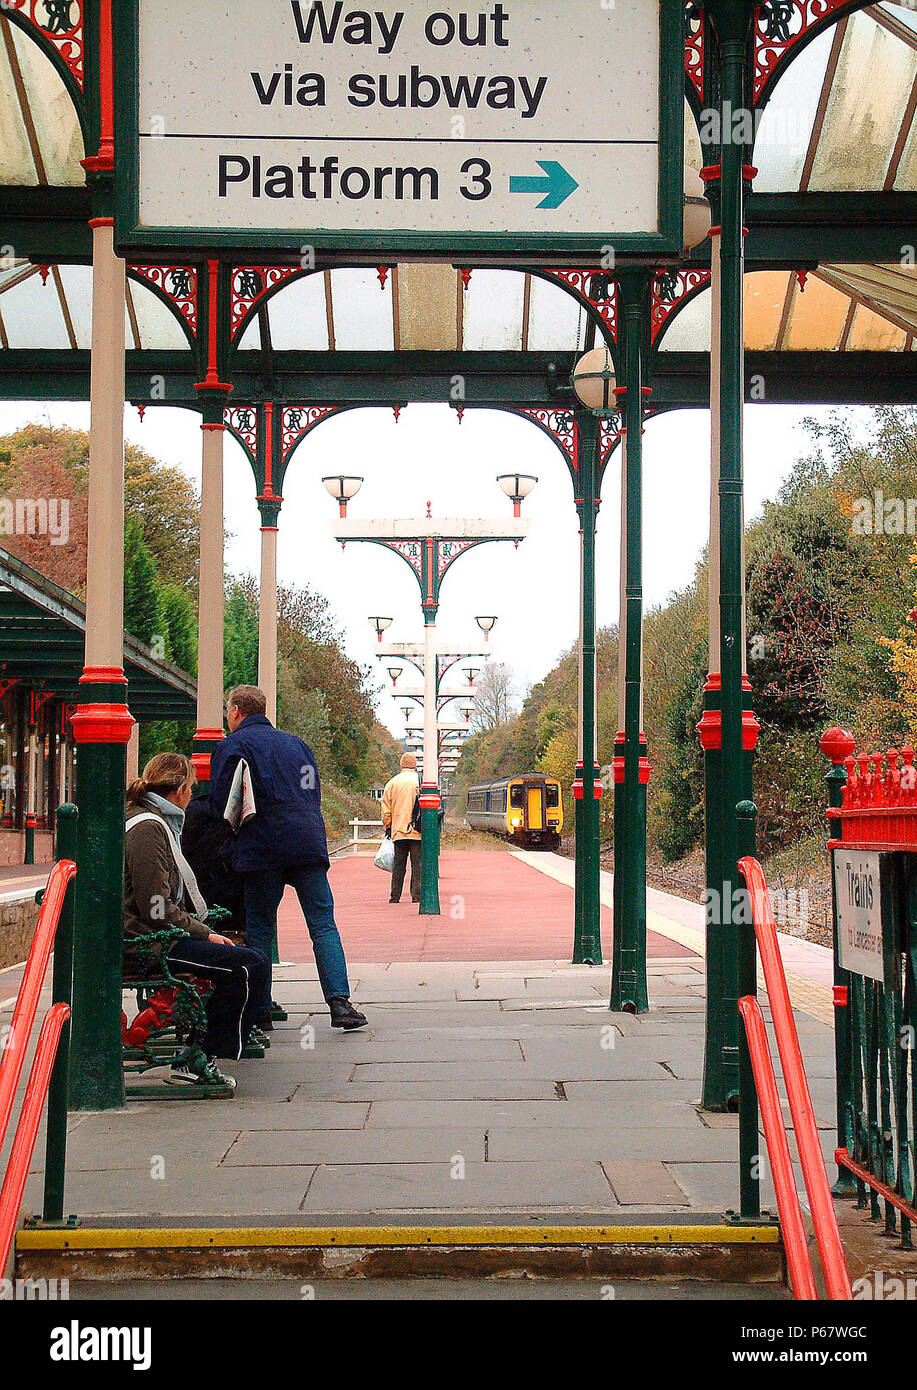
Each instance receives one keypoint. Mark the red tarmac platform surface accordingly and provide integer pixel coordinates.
(494, 907)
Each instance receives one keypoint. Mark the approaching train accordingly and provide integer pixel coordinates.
(527, 810)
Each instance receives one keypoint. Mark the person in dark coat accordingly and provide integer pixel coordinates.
(283, 842)
(206, 842)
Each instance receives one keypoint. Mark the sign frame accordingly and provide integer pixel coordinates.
(850, 957)
(380, 243)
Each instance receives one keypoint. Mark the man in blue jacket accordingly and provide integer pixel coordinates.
(283, 842)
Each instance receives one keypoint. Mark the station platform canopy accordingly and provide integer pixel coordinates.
(830, 288)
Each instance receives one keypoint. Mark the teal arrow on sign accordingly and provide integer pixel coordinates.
(556, 186)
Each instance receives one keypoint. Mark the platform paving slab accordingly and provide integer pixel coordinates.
(496, 1062)
(507, 1187)
(425, 1145)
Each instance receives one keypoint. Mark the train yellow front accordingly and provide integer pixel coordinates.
(527, 810)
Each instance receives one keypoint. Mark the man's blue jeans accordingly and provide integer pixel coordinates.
(263, 892)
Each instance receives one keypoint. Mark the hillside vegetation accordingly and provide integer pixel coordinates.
(322, 695)
(831, 571)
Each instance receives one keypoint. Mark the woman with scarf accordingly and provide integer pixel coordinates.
(160, 891)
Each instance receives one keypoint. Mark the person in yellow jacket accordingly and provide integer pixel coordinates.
(398, 801)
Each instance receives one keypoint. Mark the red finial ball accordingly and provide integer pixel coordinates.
(837, 745)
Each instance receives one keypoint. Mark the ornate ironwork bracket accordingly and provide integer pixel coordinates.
(248, 286)
(779, 27)
(176, 284)
(296, 421)
(694, 49)
(242, 421)
(671, 290)
(60, 23)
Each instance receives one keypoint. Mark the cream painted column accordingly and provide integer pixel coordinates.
(210, 613)
(102, 723)
(267, 614)
(430, 721)
(105, 544)
(133, 754)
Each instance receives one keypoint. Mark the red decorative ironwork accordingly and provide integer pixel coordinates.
(248, 285)
(447, 551)
(778, 26)
(383, 273)
(598, 290)
(298, 420)
(611, 430)
(801, 278)
(466, 277)
(243, 421)
(396, 411)
(61, 22)
(670, 290)
(44, 271)
(178, 283)
(559, 424)
(879, 809)
(412, 551)
(694, 49)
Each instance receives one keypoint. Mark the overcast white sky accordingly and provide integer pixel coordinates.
(428, 455)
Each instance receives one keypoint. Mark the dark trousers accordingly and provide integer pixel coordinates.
(404, 848)
(238, 976)
(263, 892)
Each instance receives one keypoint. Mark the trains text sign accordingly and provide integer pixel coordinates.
(416, 125)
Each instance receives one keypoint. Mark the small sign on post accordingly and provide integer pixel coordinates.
(527, 125)
(859, 914)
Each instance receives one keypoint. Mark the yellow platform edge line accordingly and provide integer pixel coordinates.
(143, 1238)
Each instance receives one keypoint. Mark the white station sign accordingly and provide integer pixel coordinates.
(516, 118)
(859, 924)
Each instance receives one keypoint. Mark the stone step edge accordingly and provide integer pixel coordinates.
(99, 1238)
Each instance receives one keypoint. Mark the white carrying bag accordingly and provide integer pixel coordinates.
(385, 859)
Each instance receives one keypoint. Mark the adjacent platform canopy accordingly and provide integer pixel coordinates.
(42, 630)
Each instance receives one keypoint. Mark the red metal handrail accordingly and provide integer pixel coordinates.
(17, 1169)
(12, 1056)
(843, 1160)
(827, 1235)
(802, 1276)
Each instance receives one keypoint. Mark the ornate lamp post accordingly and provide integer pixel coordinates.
(431, 546)
(594, 385)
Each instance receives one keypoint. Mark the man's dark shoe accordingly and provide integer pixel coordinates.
(394, 900)
(344, 1015)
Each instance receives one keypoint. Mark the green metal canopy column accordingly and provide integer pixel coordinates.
(587, 787)
(737, 963)
(628, 979)
(102, 723)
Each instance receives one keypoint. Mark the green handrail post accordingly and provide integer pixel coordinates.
(747, 984)
(61, 990)
(838, 745)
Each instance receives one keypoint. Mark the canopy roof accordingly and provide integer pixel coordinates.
(839, 122)
(42, 630)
